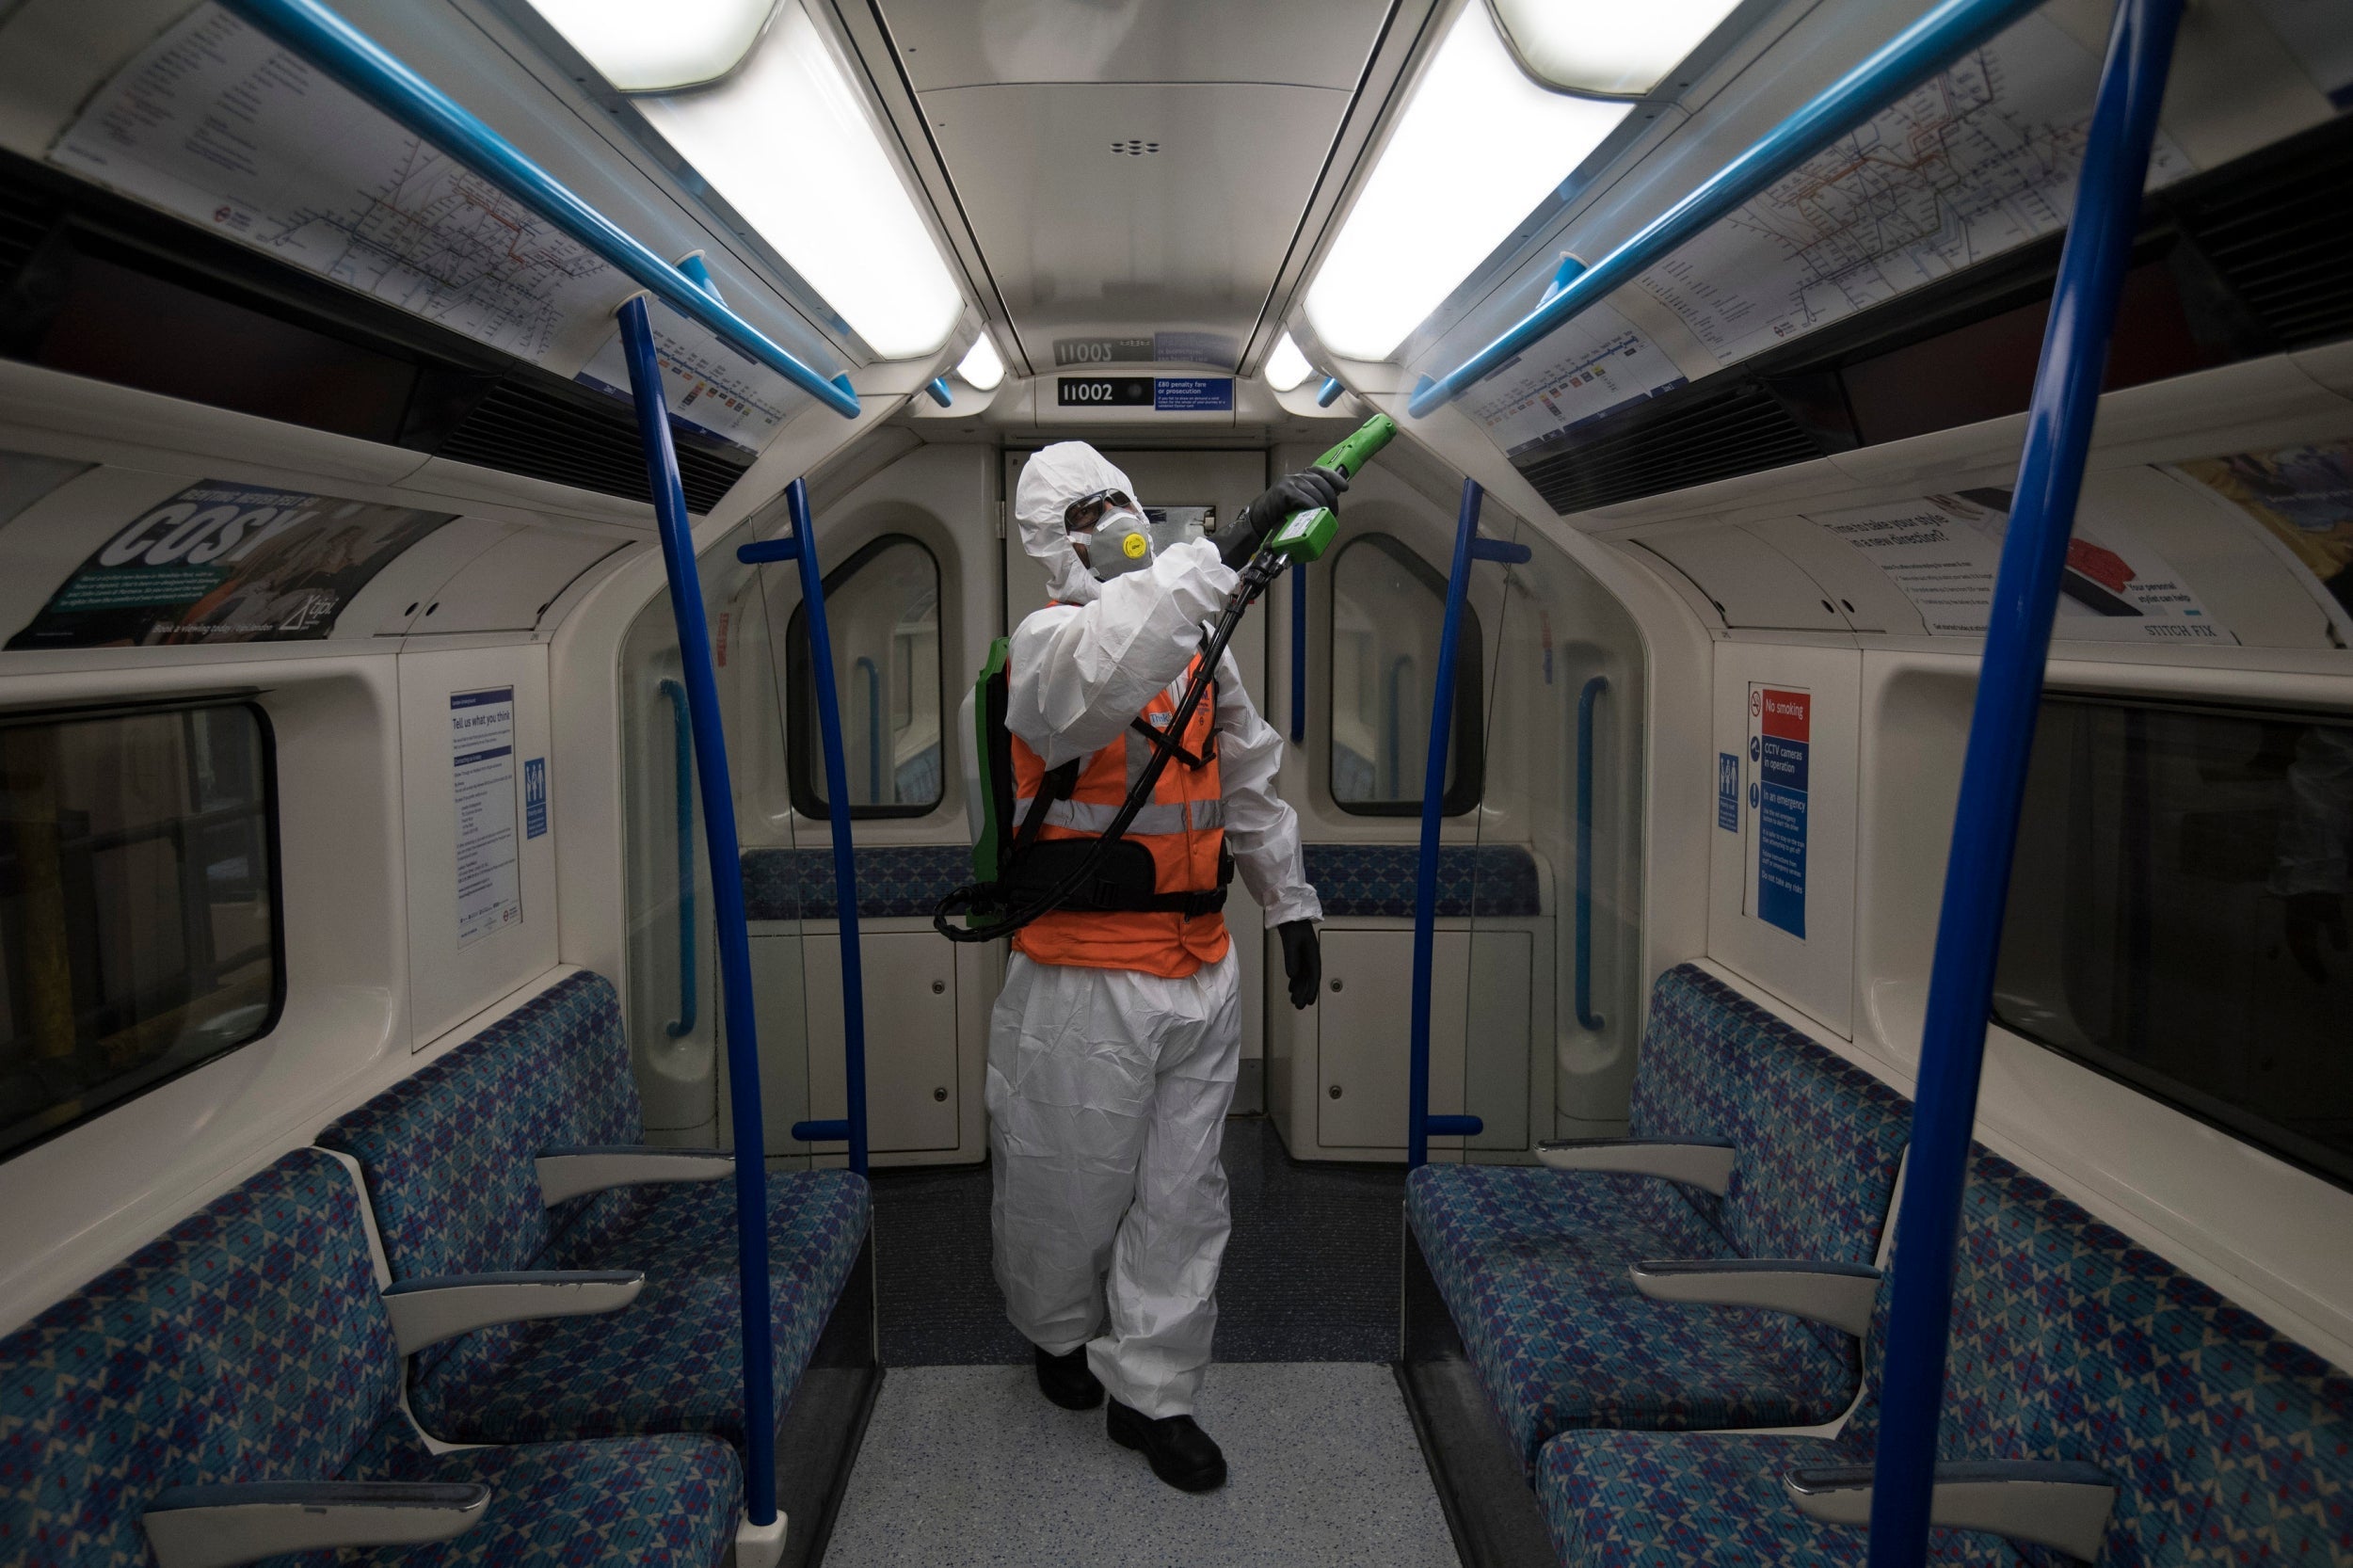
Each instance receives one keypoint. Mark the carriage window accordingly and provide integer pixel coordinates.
(138, 906)
(1387, 609)
(882, 608)
(2177, 914)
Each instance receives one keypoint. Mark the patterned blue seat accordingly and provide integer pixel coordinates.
(1532, 1263)
(249, 1344)
(449, 1158)
(2230, 1444)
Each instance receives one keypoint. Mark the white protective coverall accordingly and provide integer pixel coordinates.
(1108, 1089)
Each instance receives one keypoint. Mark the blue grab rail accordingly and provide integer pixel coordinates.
(727, 897)
(1927, 47)
(1994, 768)
(321, 37)
(1420, 1126)
(683, 744)
(800, 546)
(1586, 1017)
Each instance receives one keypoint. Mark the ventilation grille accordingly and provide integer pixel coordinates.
(1134, 148)
(24, 219)
(2282, 238)
(1734, 432)
(539, 435)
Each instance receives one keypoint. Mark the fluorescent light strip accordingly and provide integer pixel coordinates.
(1286, 366)
(1608, 45)
(1474, 151)
(982, 369)
(692, 42)
(788, 143)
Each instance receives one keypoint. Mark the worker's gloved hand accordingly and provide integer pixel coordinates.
(1302, 960)
(1303, 491)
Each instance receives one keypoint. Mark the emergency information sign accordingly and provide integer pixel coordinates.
(1779, 766)
(482, 759)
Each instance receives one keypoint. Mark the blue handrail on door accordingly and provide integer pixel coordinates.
(1994, 768)
(1420, 1126)
(683, 744)
(322, 38)
(873, 728)
(800, 546)
(1927, 47)
(1299, 653)
(727, 896)
(1586, 1017)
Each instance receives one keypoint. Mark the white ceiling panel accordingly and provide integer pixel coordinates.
(1083, 238)
(955, 43)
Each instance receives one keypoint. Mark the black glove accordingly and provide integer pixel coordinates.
(1303, 491)
(1302, 960)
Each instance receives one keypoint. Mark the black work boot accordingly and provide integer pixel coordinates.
(1065, 1379)
(1181, 1452)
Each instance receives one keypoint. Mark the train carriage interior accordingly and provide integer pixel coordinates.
(1033, 781)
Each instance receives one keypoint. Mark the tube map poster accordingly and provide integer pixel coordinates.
(226, 563)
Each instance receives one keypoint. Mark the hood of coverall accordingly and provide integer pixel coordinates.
(1053, 478)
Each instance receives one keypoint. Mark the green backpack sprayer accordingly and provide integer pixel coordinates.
(1008, 893)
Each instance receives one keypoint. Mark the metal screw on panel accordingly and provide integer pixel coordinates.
(938, 987)
(939, 1093)
(1335, 983)
(1335, 1091)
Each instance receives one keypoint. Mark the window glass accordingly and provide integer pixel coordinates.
(2177, 914)
(1388, 607)
(882, 610)
(139, 909)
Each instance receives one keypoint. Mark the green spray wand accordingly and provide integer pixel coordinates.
(1300, 538)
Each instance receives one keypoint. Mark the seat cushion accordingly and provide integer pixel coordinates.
(671, 1361)
(1642, 1499)
(644, 1502)
(1532, 1264)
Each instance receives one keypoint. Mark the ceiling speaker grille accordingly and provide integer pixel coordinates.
(2279, 238)
(1134, 147)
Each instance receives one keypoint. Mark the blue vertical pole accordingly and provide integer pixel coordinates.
(727, 897)
(1420, 1126)
(838, 809)
(1994, 769)
(1586, 1017)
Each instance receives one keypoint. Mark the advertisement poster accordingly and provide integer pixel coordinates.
(2302, 495)
(482, 754)
(1943, 551)
(225, 563)
(1781, 742)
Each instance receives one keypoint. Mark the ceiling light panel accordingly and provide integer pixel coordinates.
(1478, 146)
(982, 369)
(1607, 45)
(1286, 366)
(788, 142)
(689, 43)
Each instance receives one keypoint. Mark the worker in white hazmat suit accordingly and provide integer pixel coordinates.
(1114, 1047)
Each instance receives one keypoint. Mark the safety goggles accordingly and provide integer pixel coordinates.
(1081, 515)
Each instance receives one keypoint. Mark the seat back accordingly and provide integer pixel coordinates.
(2228, 1442)
(449, 1151)
(1818, 1139)
(247, 1343)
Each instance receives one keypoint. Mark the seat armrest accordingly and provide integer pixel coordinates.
(442, 1306)
(566, 1173)
(1694, 1161)
(1839, 1294)
(219, 1526)
(2053, 1503)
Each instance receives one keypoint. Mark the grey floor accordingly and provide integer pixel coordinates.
(969, 1464)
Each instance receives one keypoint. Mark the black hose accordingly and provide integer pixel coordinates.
(1256, 577)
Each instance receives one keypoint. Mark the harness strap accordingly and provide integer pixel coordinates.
(1056, 786)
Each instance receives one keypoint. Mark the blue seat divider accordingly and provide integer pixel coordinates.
(2229, 1443)
(249, 1344)
(449, 1155)
(1493, 881)
(1532, 1263)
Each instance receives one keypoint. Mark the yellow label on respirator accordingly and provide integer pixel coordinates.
(1133, 546)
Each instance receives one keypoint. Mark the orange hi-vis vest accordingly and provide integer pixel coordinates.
(1182, 828)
